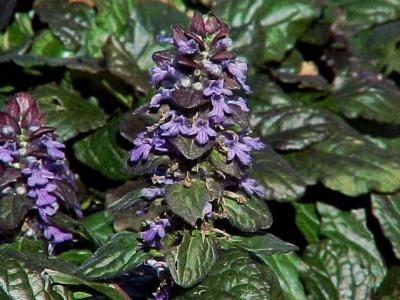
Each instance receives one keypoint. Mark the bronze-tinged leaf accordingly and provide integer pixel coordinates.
(7, 120)
(197, 24)
(178, 33)
(188, 98)
(40, 132)
(8, 175)
(187, 62)
(163, 57)
(220, 56)
(230, 82)
(212, 24)
(194, 37)
(189, 148)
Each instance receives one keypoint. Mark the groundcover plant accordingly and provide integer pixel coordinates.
(227, 149)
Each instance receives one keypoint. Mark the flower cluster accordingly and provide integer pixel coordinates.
(32, 163)
(201, 88)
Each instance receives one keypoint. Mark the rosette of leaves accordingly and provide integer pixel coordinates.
(199, 205)
(34, 175)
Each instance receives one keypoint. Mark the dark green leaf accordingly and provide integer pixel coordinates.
(236, 276)
(129, 200)
(75, 256)
(68, 111)
(386, 209)
(18, 33)
(261, 245)
(293, 128)
(119, 254)
(190, 148)
(101, 152)
(287, 268)
(188, 200)
(231, 168)
(191, 261)
(348, 163)
(307, 221)
(148, 166)
(390, 288)
(13, 209)
(280, 180)
(247, 214)
(99, 225)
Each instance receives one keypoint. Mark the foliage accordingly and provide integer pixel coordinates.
(325, 101)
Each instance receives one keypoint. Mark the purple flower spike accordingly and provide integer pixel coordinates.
(239, 150)
(251, 187)
(216, 87)
(38, 176)
(239, 70)
(53, 148)
(220, 108)
(201, 128)
(178, 124)
(253, 143)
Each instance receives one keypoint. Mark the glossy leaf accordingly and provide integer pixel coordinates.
(386, 208)
(231, 168)
(307, 221)
(99, 225)
(190, 148)
(248, 215)
(68, 111)
(191, 261)
(13, 209)
(188, 200)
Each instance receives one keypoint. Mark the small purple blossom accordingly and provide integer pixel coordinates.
(56, 234)
(239, 150)
(224, 44)
(201, 128)
(143, 146)
(220, 108)
(163, 94)
(164, 39)
(159, 73)
(251, 187)
(239, 70)
(53, 147)
(187, 47)
(155, 231)
(162, 294)
(207, 210)
(216, 87)
(151, 193)
(7, 152)
(38, 175)
(253, 143)
(213, 69)
(241, 102)
(177, 124)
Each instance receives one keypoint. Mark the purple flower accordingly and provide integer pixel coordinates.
(47, 210)
(143, 146)
(56, 235)
(37, 175)
(251, 187)
(155, 231)
(207, 210)
(162, 94)
(201, 128)
(162, 294)
(7, 151)
(239, 70)
(220, 108)
(42, 194)
(164, 39)
(212, 68)
(223, 44)
(239, 150)
(241, 102)
(159, 73)
(187, 47)
(177, 124)
(253, 143)
(151, 193)
(53, 147)
(216, 87)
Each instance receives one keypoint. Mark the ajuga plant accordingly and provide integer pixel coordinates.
(35, 179)
(195, 154)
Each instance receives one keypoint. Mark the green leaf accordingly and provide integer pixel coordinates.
(372, 100)
(67, 111)
(188, 200)
(293, 128)
(260, 245)
(349, 255)
(390, 288)
(307, 221)
(236, 276)
(264, 31)
(231, 168)
(129, 200)
(75, 256)
(119, 254)
(386, 208)
(109, 290)
(101, 151)
(250, 215)
(288, 268)
(348, 163)
(148, 166)
(280, 180)
(189, 148)
(13, 209)
(191, 261)
(46, 44)
(99, 225)
(18, 33)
